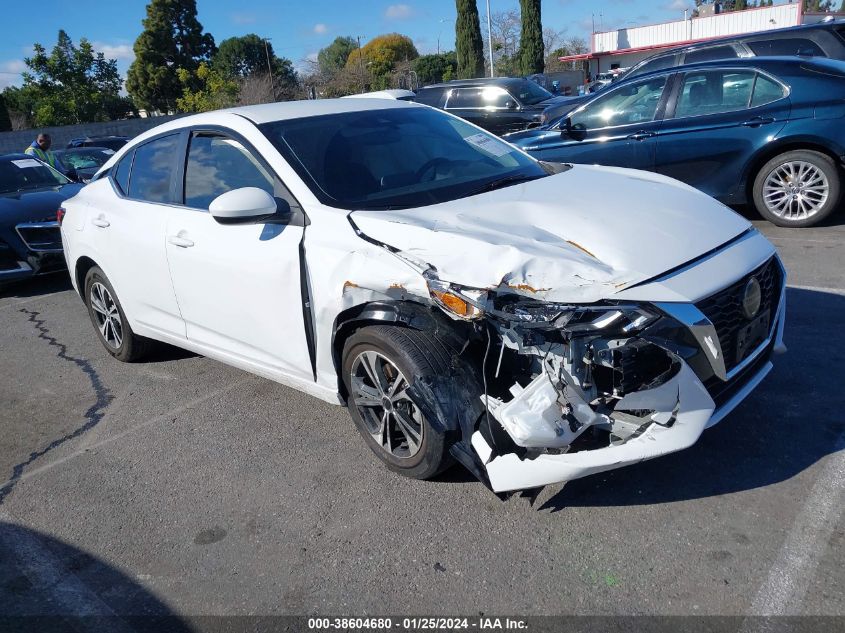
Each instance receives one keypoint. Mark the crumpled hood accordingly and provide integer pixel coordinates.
(579, 236)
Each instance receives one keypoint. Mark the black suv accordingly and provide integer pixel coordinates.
(824, 39)
(499, 105)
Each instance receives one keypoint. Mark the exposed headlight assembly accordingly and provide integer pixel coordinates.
(625, 319)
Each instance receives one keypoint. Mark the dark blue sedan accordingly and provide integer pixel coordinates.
(765, 131)
(31, 193)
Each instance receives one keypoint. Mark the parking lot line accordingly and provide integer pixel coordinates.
(789, 579)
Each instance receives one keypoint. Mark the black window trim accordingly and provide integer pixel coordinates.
(670, 112)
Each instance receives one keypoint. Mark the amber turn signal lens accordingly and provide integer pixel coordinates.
(454, 303)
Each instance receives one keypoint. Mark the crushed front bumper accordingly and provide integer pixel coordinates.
(695, 410)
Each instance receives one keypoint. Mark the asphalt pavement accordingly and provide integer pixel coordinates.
(182, 486)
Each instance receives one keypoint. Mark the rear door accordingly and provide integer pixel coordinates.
(714, 122)
(129, 234)
(619, 128)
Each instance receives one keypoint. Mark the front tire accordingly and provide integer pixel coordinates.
(797, 189)
(379, 364)
(110, 321)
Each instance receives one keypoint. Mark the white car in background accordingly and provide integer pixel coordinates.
(534, 322)
(397, 94)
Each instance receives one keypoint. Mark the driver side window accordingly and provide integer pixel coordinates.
(624, 106)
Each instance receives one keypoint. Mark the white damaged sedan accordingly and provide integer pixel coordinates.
(535, 322)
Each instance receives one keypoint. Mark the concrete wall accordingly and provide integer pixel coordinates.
(20, 140)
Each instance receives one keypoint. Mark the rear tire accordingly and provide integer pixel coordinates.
(110, 321)
(393, 427)
(797, 189)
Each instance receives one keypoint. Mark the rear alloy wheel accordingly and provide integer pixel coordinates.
(108, 318)
(797, 189)
(379, 363)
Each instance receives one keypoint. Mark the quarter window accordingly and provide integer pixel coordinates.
(121, 173)
(766, 91)
(152, 170)
(217, 164)
(625, 106)
(714, 92)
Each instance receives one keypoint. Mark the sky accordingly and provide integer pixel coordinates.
(298, 29)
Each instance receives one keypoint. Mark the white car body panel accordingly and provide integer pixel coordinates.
(589, 234)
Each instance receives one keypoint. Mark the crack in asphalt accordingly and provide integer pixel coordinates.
(93, 415)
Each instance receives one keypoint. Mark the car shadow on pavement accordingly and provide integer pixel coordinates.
(789, 423)
(36, 286)
(49, 585)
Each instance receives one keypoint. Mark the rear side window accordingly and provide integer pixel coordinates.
(464, 98)
(714, 92)
(786, 46)
(430, 97)
(152, 170)
(666, 61)
(766, 91)
(709, 54)
(217, 164)
(121, 173)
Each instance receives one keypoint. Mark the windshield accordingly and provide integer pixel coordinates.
(396, 157)
(530, 93)
(20, 174)
(85, 159)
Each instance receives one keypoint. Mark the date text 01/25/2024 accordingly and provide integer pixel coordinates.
(416, 624)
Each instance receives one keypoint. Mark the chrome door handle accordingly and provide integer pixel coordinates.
(182, 242)
(101, 222)
(640, 136)
(757, 121)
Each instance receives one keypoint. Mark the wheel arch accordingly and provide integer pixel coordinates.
(83, 265)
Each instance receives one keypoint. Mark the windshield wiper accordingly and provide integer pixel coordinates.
(506, 181)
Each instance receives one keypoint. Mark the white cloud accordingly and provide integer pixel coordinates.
(677, 5)
(320, 29)
(399, 12)
(120, 52)
(243, 18)
(10, 73)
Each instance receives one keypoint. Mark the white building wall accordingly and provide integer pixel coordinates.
(725, 24)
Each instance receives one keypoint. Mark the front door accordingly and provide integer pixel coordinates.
(619, 128)
(238, 286)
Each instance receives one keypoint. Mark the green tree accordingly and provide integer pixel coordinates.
(246, 58)
(206, 89)
(740, 5)
(469, 48)
(5, 120)
(380, 56)
(69, 85)
(432, 69)
(333, 57)
(172, 39)
(531, 51)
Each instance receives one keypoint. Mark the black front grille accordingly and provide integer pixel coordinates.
(724, 309)
(42, 238)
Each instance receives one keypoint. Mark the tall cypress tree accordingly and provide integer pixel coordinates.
(172, 39)
(531, 53)
(468, 43)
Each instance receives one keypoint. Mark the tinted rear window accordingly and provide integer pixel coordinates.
(786, 46)
(430, 96)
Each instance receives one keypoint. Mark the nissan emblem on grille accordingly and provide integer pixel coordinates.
(751, 298)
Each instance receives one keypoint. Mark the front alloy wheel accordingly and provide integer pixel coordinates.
(379, 393)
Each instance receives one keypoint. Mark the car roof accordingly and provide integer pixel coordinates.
(730, 39)
(269, 112)
(771, 64)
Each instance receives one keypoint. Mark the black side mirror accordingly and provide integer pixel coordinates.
(566, 127)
